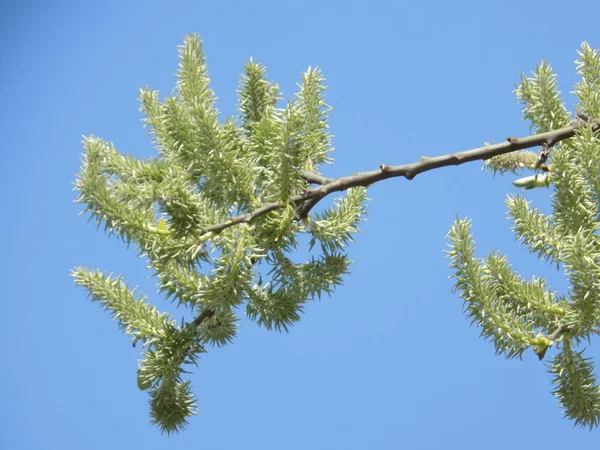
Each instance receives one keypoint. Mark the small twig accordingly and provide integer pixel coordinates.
(543, 155)
(206, 314)
(541, 352)
(562, 328)
(315, 178)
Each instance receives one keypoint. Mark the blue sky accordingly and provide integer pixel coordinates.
(388, 361)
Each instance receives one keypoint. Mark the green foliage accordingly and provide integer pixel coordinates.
(511, 162)
(171, 404)
(333, 228)
(543, 106)
(586, 90)
(516, 314)
(576, 386)
(135, 316)
(209, 171)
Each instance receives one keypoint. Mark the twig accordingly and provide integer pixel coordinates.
(562, 328)
(315, 178)
(206, 314)
(541, 352)
(408, 171)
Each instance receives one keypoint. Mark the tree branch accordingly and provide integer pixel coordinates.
(308, 199)
(311, 197)
(305, 207)
(562, 328)
(541, 351)
(315, 178)
(206, 314)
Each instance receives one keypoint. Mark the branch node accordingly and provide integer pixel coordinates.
(541, 351)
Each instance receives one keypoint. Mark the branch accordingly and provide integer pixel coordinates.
(408, 171)
(305, 207)
(541, 352)
(315, 178)
(206, 314)
(562, 328)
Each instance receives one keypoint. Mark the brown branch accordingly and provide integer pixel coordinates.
(206, 314)
(305, 207)
(562, 328)
(408, 171)
(541, 352)
(308, 199)
(315, 178)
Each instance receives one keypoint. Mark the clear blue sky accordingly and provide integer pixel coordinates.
(389, 361)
